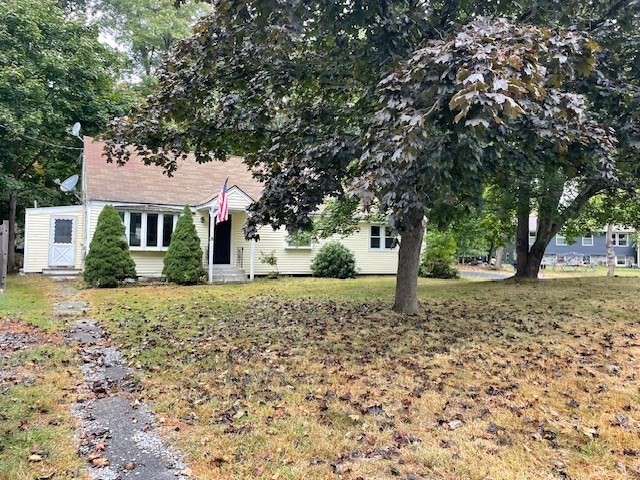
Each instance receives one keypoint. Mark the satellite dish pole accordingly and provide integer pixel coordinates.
(75, 131)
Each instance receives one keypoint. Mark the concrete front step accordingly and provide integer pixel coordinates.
(61, 272)
(228, 274)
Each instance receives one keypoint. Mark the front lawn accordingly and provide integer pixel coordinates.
(316, 379)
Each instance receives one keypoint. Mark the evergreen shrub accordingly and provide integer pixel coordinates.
(183, 261)
(334, 260)
(109, 261)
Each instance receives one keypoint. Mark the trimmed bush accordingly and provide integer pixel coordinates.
(438, 257)
(334, 260)
(108, 262)
(183, 261)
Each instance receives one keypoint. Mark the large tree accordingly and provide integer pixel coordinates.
(333, 97)
(53, 72)
(557, 192)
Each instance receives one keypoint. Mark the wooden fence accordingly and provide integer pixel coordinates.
(4, 254)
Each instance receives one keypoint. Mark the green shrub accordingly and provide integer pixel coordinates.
(108, 262)
(439, 256)
(183, 261)
(270, 259)
(334, 260)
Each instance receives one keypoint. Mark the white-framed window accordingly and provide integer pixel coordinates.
(587, 240)
(561, 241)
(298, 241)
(148, 231)
(380, 238)
(532, 237)
(621, 260)
(620, 240)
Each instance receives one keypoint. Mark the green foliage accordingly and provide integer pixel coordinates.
(108, 262)
(53, 72)
(439, 256)
(270, 259)
(148, 29)
(183, 261)
(334, 260)
(338, 217)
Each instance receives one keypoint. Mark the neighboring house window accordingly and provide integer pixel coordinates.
(620, 240)
(621, 260)
(300, 240)
(587, 240)
(381, 238)
(150, 231)
(561, 241)
(532, 238)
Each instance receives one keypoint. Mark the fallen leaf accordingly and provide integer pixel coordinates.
(100, 462)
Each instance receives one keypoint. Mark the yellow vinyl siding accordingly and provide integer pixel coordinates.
(293, 261)
(148, 264)
(38, 233)
(202, 228)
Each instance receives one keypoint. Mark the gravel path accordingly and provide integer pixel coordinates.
(118, 434)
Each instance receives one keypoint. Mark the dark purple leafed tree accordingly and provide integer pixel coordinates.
(330, 99)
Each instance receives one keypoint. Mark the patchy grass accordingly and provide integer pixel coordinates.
(315, 378)
(29, 299)
(36, 386)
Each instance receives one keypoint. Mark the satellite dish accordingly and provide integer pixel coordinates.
(69, 184)
(75, 130)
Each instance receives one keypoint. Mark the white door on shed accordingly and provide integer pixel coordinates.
(62, 242)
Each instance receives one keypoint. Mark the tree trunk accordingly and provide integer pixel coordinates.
(499, 256)
(534, 259)
(522, 237)
(492, 251)
(13, 205)
(408, 264)
(611, 256)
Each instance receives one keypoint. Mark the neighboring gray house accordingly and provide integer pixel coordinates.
(592, 248)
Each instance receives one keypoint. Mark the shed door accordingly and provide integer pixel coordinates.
(62, 251)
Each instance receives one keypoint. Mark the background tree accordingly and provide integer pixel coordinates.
(53, 72)
(108, 262)
(439, 255)
(147, 30)
(183, 261)
(296, 89)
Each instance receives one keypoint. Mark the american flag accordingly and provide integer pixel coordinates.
(223, 204)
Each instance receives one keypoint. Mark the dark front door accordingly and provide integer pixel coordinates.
(222, 243)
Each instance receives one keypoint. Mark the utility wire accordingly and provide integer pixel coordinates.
(64, 147)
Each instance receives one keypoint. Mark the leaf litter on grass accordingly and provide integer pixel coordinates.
(493, 380)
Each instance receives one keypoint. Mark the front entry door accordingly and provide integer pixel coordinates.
(62, 244)
(222, 243)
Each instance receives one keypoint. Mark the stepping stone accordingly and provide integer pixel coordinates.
(84, 331)
(70, 307)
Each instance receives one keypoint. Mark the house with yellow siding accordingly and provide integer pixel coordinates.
(57, 238)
